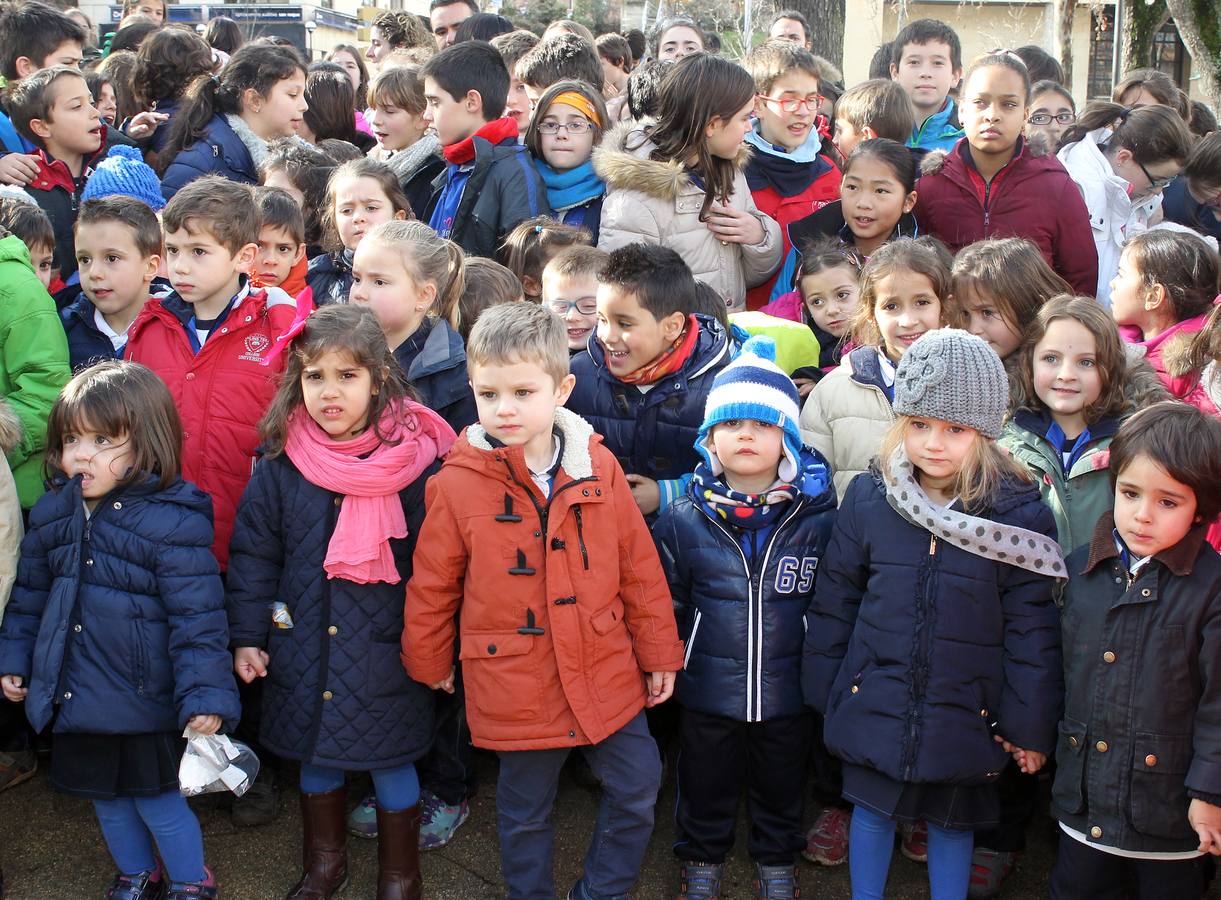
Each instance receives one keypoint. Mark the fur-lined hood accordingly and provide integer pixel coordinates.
(10, 428)
(934, 161)
(623, 162)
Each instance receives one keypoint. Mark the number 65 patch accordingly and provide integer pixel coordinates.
(795, 574)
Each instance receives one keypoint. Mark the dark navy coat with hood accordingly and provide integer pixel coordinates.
(433, 360)
(219, 152)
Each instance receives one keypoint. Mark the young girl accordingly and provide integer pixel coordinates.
(1161, 297)
(303, 172)
(349, 59)
(327, 528)
(404, 141)
(679, 183)
(330, 100)
(904, 289)
(361, 194)
(1052, 110)
(102, 91)
(933, 648)
(992, 183)
(1121, 159)
(568, 123)
(828, 279)
(877, 196)
(115, 634)
(413, 280)
(532, 244)
(488, 284)
(224, 124)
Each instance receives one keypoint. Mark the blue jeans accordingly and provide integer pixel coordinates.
(128, 821)
(629, 767)
(396, 789)
(871, 843)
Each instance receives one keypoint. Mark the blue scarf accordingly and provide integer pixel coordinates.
(572, 187)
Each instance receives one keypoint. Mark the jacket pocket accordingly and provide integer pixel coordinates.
(386, 675)
(695, 627)
(501, 675)
(618, 676)
(1159, 791)
(1066, 792)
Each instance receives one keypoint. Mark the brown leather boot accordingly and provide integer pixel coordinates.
(324, 854)
(398, 855)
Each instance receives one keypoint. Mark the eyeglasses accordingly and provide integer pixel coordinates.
(586, 306)
(792, 104)
(1155, 184)
(573, 127)
(1067, 118)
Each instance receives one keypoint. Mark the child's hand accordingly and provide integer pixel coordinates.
(250, 663)
(1206, 820)
(18, 168)
(1029, 761)
(804, 386)
(645, 492)
(145, 123)
(12, 688)
(660, 686)
(735, 226)
(446, 685)
(204, 724)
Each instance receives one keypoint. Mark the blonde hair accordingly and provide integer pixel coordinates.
(519, 332)
(427, 257)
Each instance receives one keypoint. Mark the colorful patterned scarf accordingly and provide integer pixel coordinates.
(671, 359)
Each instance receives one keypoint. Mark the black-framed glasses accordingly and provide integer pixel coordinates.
(792, 104)
(573, 127)
(1067, 118)
(1155, 184)
(586, 306)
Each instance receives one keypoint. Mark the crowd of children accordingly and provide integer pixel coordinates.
(708, 417)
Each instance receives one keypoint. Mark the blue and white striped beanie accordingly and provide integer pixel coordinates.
(754, 387)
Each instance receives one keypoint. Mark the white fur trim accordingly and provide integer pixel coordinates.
(576, 461)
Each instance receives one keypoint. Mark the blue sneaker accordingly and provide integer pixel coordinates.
(362, 821)
(141, 886)
(439, 821)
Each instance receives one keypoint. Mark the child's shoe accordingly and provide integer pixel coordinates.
(915, 842)
(362, 821)
(700, 881)
(398, 855)
(324, 846)
(260, 804)
(142, 886)
(16, 766)
(776, 882)
(989, 869)
(827, 841)
(194, 890)
(439, 821)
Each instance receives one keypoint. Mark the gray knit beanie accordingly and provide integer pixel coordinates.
(954, 376)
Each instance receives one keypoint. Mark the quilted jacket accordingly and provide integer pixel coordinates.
(336, 694)
(560, 601)
(117, 620)
(219, 152)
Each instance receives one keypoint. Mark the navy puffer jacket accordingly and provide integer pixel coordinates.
(651, 433)
(336, 693)
(86, 343)
(219, 152)
(118, 620)
(742, 622)
(330, 277)
(919, 652)
(434, 362)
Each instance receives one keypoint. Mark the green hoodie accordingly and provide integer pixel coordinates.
(33, 362)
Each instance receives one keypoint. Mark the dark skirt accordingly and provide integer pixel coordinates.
(106, 766)
(954, 806)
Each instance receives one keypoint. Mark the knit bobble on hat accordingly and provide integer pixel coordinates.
(124, 172)
(954, 376)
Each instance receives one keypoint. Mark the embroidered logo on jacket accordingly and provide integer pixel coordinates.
(256, 346)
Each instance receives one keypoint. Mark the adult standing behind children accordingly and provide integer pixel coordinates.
(926, 61)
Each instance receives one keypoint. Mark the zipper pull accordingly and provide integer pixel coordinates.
(932, 545)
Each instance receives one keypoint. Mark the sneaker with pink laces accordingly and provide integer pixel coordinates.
(827, 841)
(915, 842)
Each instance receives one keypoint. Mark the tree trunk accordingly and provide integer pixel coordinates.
(826, 18)
(1064, 37)
(1200, 28)
(1140, 24)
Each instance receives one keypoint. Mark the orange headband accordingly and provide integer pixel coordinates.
(581, 102)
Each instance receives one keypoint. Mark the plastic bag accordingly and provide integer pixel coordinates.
(215, 762)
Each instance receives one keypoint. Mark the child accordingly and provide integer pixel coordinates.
(934, 657)
(644, 89)
(532, 485)
(124, 172)
(788, 174)
(615, 54)
(208, 338)
(304, 173)
(118, 251)
(532, 244)
(1194, 199)
(993, 185)
(570, 290)
(926, 61)
(643, 382)
(102, 91)
(568, 123)
(676, 38)
(1161, 296)
(872, 109)
(281, 260)
(758, 511)
(1120, 160)
(404, 143)
(1136, 801)
(125, 658)
(24, 219)
(512, 47)
(562, 56)
(488, 284)
(361, 194)
(328, 527)
(680, 183)
(905, 290)
(489, 185)
(411, 278)
(1052, 111)
(224, 123)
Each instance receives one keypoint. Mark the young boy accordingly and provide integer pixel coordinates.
(742, 723)
(209, 339)
(570, 288)
(926, 61)
(512, 47)
(530, 506)
(788, 174)
(643, 382)
(561, 57)
(21, 216)
(118, 251)
(872, 109)
(281, 260)
(490, 184)
(1138, 782)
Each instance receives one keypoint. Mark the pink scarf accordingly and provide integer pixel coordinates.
(371, 513)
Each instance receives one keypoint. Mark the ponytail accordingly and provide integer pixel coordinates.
(446, 305)
(1152, 134)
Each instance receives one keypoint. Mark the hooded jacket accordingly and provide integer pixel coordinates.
(1165, 354)
(11, 528)
(569, 608)
(434, 363)
(657, 202)
(940, 131)
(221, 151)
(958, 207)
(329, 276)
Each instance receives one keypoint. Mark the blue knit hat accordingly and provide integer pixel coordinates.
(753, 387)
(124, 171)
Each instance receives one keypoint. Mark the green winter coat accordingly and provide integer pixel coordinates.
(33, 362)
(1078, 498)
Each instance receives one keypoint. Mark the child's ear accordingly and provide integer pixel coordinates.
(400, 214)
(564, 388)
(245, 258)
(474, 101)
(427, 297)
(894, 72)
(672, 325)
(151, 265)
(299, 255)
(1155, 297)
(868, 133)
(39, 127)
(25, 66)
(957, 78)
(909, 202)
(252, 100)
(533, 287)
(713, 124)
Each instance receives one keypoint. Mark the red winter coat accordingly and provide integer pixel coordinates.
(1033, 197)
(221, 392)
